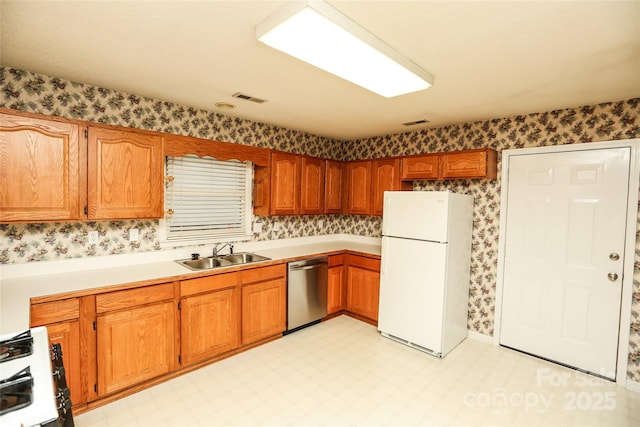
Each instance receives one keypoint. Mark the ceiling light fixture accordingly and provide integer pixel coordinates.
(225, 105)
(315, 32)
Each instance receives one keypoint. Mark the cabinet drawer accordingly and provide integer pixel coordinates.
(55, 311)
(133, 297)
(209, 283)
(336, 260)
(364, 262)
(264, 273)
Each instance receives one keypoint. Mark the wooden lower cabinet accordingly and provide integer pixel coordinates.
(62, 320)
(336, 291)
(209, 324)
(67, 334)
(115, 342)
(264, 302)
(363, 286)
(137, 342)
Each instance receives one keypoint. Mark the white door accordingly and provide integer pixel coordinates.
(412, 286)
(564, 250)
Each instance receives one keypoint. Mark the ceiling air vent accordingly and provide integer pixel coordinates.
(248, 97)
(416, 122)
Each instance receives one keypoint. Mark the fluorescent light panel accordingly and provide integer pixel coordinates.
(318, 34)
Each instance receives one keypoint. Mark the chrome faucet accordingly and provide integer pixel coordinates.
(217, 249)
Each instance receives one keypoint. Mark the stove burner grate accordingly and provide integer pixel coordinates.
(15, 391)
(20, 345)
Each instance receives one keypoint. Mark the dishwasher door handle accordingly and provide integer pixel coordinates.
(306, 267)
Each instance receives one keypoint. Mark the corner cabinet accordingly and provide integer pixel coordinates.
(125, 174)
(336, 291)
(359, 187)
(209, 316)
(363, 287)
(264, 302)
(39, 170)
(312, 186)
(333, 188)
(136, 336)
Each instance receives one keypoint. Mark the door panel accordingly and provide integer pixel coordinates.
(566, 215)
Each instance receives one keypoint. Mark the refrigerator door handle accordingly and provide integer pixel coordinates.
(383, 264)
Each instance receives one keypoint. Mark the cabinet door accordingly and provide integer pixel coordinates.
(359, 187)
(363, 287)
(209, 325)
(420, 167)
(312, 186)
(135, 345)
(386, 177)
(263, 310)
(67, 334)
(39, 170)
(285, 184)
(335, 290)
(125, 175)
(333, 187)
(469, 164)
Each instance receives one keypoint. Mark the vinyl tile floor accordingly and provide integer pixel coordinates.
(342, 372)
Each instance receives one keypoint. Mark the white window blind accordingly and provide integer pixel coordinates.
(207, 199)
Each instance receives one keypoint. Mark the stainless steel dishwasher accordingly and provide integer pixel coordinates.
(306, 292)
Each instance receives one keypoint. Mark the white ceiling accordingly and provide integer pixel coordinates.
(489, 59)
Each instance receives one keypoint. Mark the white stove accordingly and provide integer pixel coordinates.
(36, 403)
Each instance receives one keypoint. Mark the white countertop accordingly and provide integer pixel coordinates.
(20, 283)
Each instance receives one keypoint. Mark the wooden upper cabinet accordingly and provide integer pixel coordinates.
(285, 183)
(420, 167)
(125, 174)
(312, 186)
(386, 177)
(481, 163)
(333, 188)
(39, 170)
(359, 187)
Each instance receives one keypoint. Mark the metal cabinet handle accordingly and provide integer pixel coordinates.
(614, 256)
(308, 267)
(612, 276)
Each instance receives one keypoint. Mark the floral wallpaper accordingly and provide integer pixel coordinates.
(27, 91)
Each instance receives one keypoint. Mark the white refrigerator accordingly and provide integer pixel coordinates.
(425, 269)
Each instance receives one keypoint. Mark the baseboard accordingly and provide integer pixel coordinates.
(477, 336)
(632, 385)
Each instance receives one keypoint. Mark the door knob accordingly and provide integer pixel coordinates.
(614, 256)
(612, 276)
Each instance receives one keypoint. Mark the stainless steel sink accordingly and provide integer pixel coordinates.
(244, 258)
(204, 263)
(221, 261)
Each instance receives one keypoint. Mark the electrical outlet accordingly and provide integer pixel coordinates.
(257, 227)
(93, 237)
(134, 234)
(276, 226)
(320, 223)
